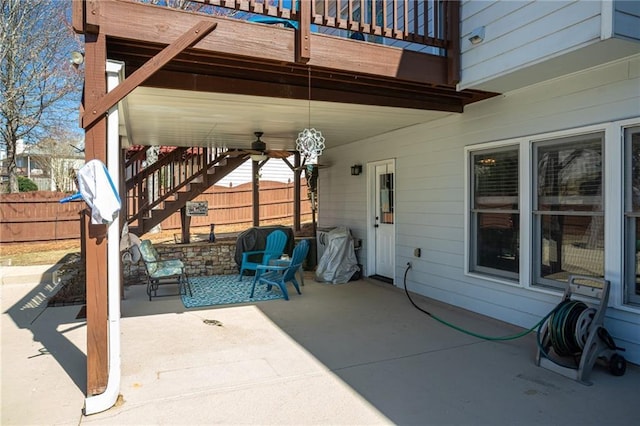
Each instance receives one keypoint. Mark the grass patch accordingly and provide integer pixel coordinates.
(25, 254)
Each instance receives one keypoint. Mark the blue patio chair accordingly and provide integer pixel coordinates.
(274, 247)
(160, 271)
(281, 274)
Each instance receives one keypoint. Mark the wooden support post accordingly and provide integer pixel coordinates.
(83, 236)
(313, 220)
(95, 235)
(296, 192)
(185, 226)
(124, 208)
(255, 170)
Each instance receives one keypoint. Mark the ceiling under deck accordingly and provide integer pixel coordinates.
(211, 100)
(155, 116)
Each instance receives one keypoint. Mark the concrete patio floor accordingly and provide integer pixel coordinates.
(356, 353)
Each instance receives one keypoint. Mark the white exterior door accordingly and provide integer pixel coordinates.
(382, 218)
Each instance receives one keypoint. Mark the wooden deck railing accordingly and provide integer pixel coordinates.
(422, 22)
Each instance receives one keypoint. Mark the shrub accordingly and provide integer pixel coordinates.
(26, 185)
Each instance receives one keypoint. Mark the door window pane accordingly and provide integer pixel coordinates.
(386, 198)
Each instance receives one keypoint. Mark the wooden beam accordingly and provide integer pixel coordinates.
(453, 36)
(78, 10)
(92, 15)
(95, 86)
(385, 97)
(196, 62)
(303, 33)
(188, 39)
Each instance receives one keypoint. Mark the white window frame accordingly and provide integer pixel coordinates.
(472, 265)
(537, 215)
(468, 205)
(627, 297)
(613, 201)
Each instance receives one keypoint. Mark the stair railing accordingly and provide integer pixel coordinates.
(148, 187)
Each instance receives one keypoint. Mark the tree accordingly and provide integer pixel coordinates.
(26, 185)
(39, 89)
(60, 156)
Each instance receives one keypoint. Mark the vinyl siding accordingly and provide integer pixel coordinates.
(519, 34)
(626, 20)
(430, 188)
(274, 170)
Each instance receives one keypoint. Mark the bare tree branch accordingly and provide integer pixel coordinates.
(200, 6)
(39, 89)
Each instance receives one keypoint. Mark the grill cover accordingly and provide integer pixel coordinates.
(338, 264)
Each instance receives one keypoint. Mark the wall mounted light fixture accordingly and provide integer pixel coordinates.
(356, 169)
(477, 36)
(77, 58)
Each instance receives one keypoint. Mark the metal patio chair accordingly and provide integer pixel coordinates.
(161, 271)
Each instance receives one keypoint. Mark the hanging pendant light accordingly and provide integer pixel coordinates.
(310, 142)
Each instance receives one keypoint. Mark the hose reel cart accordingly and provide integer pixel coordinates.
(575, 330)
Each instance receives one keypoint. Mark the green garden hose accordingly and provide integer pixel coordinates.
(471, 333)
(568, 327)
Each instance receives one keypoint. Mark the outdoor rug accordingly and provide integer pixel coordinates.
(226, 290)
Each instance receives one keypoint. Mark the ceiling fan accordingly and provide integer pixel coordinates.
(259, 151)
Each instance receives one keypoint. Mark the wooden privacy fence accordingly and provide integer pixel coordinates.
(39, 216)
(232, 206)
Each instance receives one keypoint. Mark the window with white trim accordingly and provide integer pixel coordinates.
(495, 214)
(563, 196)
(568, 211)
(632, 215)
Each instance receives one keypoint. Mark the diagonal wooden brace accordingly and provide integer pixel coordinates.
(188, 39)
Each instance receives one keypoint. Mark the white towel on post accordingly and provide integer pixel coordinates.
(99, 192)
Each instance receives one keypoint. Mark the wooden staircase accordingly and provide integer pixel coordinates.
(153, 192)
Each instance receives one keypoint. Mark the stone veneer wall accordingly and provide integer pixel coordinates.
(202, 258)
